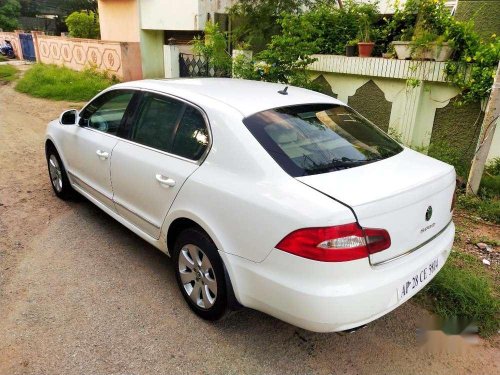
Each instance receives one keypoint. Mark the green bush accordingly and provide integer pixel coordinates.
(255, 21)
(463, 289)
(61, 83)
(333, 28)
(83, 25)
(7, 73)
(285, 59)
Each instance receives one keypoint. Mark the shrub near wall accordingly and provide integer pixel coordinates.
(83, 25)
(61, 83)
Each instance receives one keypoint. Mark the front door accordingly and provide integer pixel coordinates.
(164, 148)
(88, 147)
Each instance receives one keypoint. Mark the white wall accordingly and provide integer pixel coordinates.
(152, 54)
(169, 14)
(179, 14)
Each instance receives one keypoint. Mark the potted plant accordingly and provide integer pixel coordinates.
(423, 36)
(350, 48)
(365, 45)
(390, 53)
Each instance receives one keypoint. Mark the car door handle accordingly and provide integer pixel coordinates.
(103, 155)
(165, 180)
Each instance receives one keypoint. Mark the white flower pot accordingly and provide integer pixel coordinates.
(436, 52)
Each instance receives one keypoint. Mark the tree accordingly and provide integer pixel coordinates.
(83, 25)
(9, 14)
(255, 21)
(213, 46)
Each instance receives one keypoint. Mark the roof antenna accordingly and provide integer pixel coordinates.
(284, 91)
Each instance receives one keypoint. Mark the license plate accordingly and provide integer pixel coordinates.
(417, 281)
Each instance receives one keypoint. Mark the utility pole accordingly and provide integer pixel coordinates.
(486, 137)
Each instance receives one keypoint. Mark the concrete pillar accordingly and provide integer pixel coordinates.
(35, 43)
(171, 61)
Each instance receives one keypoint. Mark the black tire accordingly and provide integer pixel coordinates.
(64, 192)
(198, 238)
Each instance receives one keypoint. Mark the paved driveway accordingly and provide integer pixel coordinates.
(80, 294)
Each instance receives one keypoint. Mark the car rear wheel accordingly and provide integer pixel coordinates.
(200, 274)
(58, 177)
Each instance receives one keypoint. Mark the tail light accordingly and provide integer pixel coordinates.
(341, 243)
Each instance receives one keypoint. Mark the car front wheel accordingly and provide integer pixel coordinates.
(200, 274)
(58, 177)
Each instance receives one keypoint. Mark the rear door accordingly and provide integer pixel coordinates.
(88, 147)
(165, 145)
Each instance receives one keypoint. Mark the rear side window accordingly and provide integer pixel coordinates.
(191, 138)
(318, 138)
(156, 121)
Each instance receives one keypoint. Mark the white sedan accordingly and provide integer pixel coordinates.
(282, 200)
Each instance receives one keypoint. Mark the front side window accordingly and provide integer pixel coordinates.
(318, 138)
(191, 138)
(156, 122)
(106, 112)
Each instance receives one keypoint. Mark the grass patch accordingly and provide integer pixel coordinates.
(61, 83)
(464, 289)
(8, 73)
(3, 58)
(485, 208)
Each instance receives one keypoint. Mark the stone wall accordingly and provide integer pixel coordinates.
(121, 59)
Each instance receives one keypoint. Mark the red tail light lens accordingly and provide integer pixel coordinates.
(335, 244)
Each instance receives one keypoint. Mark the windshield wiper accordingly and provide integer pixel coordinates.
(337, 164)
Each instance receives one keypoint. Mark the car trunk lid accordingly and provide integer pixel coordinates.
(409, 195)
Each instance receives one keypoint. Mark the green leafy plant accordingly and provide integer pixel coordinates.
(321, 29)
(352, 43)
(213, 48)
(366, 31)
(427, 23)
(83, 25)
(463, 289)
(286, 57)
(474, 68)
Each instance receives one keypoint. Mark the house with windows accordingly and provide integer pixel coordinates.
(152, 23)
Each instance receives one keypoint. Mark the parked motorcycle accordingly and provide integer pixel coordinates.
(7, 50)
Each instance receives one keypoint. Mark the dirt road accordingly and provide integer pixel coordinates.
(80, 294)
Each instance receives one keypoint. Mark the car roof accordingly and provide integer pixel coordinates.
(248, 97)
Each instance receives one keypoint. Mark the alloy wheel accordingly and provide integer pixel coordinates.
(197, 276)
(55, 173)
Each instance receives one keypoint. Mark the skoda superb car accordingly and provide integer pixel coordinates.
(279, 199)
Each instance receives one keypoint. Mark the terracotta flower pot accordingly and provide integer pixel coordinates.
(365, 49)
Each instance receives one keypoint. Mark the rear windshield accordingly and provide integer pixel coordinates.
(319, 138)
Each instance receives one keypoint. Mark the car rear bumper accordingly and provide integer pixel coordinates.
(329, 297)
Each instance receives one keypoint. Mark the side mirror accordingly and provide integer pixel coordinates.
(69, 117)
